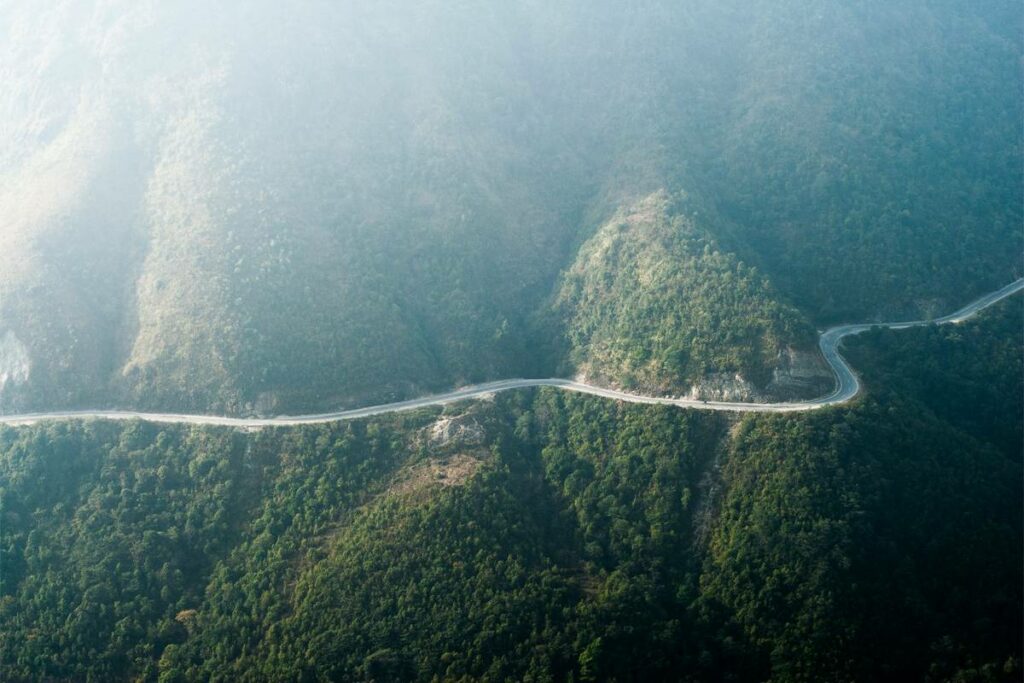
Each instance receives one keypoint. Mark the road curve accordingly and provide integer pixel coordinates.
(847, 386)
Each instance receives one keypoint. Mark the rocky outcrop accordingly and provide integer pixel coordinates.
(15, 364)
(462, 431)
(721, 386)
(800, 374)
(797, 374)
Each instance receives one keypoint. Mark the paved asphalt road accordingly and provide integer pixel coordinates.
(847, 386)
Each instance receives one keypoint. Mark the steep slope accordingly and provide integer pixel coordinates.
(652, 303)
(541, 536)
(269, 209)
(870, 154)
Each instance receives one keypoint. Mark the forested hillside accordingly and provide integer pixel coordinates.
(539, 536)
(278, 208)
(653, 302)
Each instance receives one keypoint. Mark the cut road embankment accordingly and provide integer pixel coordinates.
(847, 387)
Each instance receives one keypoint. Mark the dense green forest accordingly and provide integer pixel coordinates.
(270, 208)
(541, 536)
(281, 208)
(652, 302)
(967, 375)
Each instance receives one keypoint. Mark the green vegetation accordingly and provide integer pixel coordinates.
(653, 303)
(201, 219)
(266, 207)
(883, 542)
(877, 545)
(111, 533)
(544, 536)
(967, 375)
(845, 165)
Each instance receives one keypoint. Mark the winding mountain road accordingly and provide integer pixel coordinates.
(847, 386)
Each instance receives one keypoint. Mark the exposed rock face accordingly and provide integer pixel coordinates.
(456, 452)
(463, 431)
(800, 374)
(722, 386)
(797, 375)
(15, 364)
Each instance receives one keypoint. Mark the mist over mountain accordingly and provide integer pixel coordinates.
(256, 208)
(262, 207)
